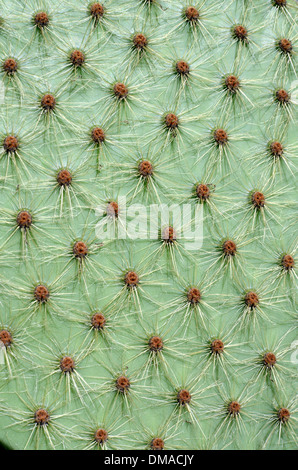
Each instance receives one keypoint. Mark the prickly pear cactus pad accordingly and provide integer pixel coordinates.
(147, 224)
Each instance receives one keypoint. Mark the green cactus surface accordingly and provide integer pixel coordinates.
(147, 224)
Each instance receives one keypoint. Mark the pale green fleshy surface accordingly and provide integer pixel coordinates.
(47, 260)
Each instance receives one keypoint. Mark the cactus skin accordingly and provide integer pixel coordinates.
(143, 344)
